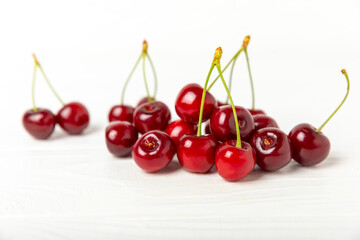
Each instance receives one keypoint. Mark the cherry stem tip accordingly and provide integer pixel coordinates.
(145, 47)
(246, 41)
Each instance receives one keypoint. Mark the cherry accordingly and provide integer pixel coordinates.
(254, 112)
(233, 163)
(151, 116)
(263, 121)
(207, 127)
(197, 154)
(187, 104)
(222, 123)
(179, 128)
(40, 123)
(154, 151)
(120, 137)
(121, 113)
(272, 147)
(310, 146)
(73, 118)
(145, 100)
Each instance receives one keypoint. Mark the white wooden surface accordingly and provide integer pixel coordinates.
(72, 188)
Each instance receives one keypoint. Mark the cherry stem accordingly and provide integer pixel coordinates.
(251, 80)
(47, 80)
(230, 80)
(343, 71)
(128, 79)
(33, 88)
(145, 81)
(155, 76)
(238, 138)
(203, 99)
(227, 65)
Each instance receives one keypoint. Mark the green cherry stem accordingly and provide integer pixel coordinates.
(33, 88)
(145, 81)
(47, 80)
(230, 80)
(251, 80)
(155, 76)
(128, 79)
(343, 71)
(238, 138)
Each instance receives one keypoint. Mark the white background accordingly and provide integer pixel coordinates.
(72, 188)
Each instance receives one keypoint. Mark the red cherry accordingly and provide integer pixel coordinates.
(263, 121)
(272, 147)
(179, 128)
(309, 146)
(154, 151)
(197, 154)
(145, 100)
(256, 111)
(234, 163)
(121, 113)
(220, 104)
(188, 101)
(120, 137)
(222, 124)
(151, 116)
(39, 124)
(73, 118)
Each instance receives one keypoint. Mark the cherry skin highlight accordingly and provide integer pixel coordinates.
(179, 128)
(120, 138)
(151, 116)
(154, 151)
(197, 154)
(73, 118)
(234, 163)
(263, 121)
(144, 100)
(39, 124)
(222, 123)
(256, 111)
(121, 113)
(309, 146)
(188, 101)
(272, 147)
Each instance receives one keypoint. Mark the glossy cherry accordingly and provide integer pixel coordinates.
(188, 101)
(256, 112)
(222, 123)
(144, 100)
(154, 151)
(233, 163)
(120, 137)
(197, 154)
(73, 118)
(179, 128)
(309, 146)
(151, 116)
(272, 147)
(121, 113)
(263, 121)
(40, 123)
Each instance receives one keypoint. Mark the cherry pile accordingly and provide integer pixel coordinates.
(235, 138)
(40, 123)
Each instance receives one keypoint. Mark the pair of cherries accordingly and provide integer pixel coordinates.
(40, 122)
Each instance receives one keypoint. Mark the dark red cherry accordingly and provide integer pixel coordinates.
(39, 124)
(121, 113)
(207, 128)
(222, 124)
(234, 163)
(154, 151)
(256, 111)
(272, 147)
(144, 100)
(263, 121)
(220, 104)
(188, 101)
(179, 128)
(151, 116)
(309, 146)
(197, 154)
(120, 138)
(73, 118)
